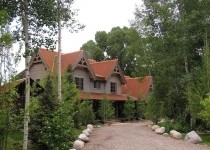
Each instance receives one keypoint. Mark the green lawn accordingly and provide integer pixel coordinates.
(15, 141)
(205, 138)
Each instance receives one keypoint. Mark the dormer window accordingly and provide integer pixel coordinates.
(79, 83)
(97, 84)
(113, 87)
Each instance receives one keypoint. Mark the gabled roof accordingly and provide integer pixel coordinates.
(100, 96)
(70, 59)
(137, 87)
(104, 69)
(49, 58)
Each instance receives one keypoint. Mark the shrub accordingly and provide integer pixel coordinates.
(129, 109)
(86, 112)
(106, 110)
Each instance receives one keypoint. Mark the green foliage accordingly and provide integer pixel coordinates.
(177, 125)
(106, 110)
(153, 109)
(86, 112)
(93, 51)
(52, 123)
(7, 116)
(205, 113)
(129, 109)
(119, 43)
(140, 109)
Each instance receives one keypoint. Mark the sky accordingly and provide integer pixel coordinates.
(96, 15)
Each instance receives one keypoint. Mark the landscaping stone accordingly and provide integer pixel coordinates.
(84, 138)
(78, 144)
(89, 130)
(193, 137)
(166, 134)
(98, 126)
(90, 126)
(149, 125)
(175, 134)
(86, 132)
(160, 130)
(155, 127)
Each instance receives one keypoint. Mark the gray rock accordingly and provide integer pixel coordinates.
(78, 144)
(166, 134)
(90, 126)
(86, 132)
(84, 138)
(89, 130)
(155, 127)
(160, 130)
(175, 134)
(193, 137)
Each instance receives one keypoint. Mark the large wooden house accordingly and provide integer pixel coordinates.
(92, 78)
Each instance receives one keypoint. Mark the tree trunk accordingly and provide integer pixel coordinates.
(27, 81)
(59, 53)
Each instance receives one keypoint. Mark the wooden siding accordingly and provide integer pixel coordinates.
(97, 90)
(116, 80)
(82, 73)
(38, 71)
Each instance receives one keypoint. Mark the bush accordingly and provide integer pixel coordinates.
(87, 115)
(129, 109)
(106, 110)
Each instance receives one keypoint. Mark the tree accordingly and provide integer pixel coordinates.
(140, 109)
(93, 51)
(129, 109)
(38, 29)
(119, 43)
(173, 34)
(106, 110)
(87, 114)
(205, 113)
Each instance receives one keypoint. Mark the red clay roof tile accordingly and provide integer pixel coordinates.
(137, 87)
(100, 96)
(103, 68)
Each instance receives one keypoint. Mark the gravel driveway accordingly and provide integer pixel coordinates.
(135, 136)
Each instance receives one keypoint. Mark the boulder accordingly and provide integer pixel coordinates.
(175, 134)
(89, 130)
(90, 126)
(78, 144)
(193, 137)
(86, 132)
(84, 138)
(155, 127)
(166, 134)
(149, 125)
(160, 130)
(98, 126)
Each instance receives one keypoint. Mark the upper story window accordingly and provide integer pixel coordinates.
(79, 83)
(113, 87)
(97, 84)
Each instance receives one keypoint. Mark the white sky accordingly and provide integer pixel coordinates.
(96, 15)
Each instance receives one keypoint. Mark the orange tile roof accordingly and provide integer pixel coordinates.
(103, 68)
(136, 87)
(49, 58)
(69, 59)
(100, 96)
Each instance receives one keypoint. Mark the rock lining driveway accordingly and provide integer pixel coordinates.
(135, 136)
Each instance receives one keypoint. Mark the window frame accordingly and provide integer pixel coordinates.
(96, 84)
(79, 83)
(113, 87)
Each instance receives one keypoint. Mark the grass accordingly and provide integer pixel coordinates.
(15, 141)
(205, 138)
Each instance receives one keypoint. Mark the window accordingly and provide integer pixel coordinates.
(113, 87)
(79, 83)
(97, 84)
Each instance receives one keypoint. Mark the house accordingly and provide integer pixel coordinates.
(92, 78)
(19, 91)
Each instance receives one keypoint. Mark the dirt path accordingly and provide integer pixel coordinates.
(135, 136)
